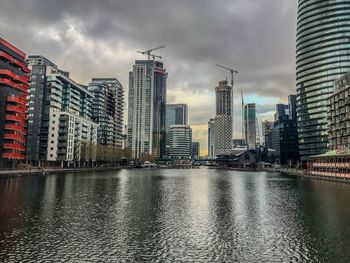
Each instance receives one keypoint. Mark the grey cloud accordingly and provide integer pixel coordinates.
(257, 37)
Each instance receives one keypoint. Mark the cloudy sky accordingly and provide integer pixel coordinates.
(99, 38)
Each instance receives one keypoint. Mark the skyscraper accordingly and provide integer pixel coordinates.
(323, 55)
(282, 112)
(223, 118)
(176, 114)
(13, 110)
(267, 127)
(250, 125)
(108, 110)
(146, 109)
(60, 116)
(211, 138)
(283, 136)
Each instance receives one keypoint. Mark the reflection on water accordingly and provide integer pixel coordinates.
(167, 215)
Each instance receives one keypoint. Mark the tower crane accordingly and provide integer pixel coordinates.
(149, 54)
(229, 69)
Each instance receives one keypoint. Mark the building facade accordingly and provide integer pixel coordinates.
(146, 109)
(180, 142)
(249, 115)
(176, 114)
(339, 115)
(282, 112)
(108, 110)
(323, 55)
(282, 134)
(60, 126)
(267, 127)
(211, 138)
(13, 109)
(196, 149)
(223, 118)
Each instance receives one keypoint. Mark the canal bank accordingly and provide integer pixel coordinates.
(300, 173)
(48, 171)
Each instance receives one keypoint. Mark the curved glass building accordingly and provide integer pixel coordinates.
(323, 55)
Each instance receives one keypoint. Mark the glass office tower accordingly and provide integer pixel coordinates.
(323, 55)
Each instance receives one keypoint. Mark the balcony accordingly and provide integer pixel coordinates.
(16, 109)
(13, 156)
(14, 61)
(14, 146)
(16, 137)
(21, 87)
(14, 127)
(12, 75)
(63, 138)
(14, 118)
(17, 100)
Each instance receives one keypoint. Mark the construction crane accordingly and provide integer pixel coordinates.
(229, 69)
(149, 54)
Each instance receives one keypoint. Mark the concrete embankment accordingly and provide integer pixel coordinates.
(47, 171)
(300, 173)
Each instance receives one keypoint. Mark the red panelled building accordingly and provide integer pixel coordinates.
(14, 87)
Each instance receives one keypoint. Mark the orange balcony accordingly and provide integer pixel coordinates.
(12, 136)
(14, 127)
(14, 61)
(16, 109)
(13, 156)
(14, 146)
(12, 75)
(13, 48)
(14, 118)
(17, 99)
(10, 83)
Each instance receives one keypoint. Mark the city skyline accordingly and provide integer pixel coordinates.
(101, 40)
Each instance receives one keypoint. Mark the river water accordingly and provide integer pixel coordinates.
(198, 215)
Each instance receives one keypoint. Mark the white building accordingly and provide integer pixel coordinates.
(61, 129)
(180, 141)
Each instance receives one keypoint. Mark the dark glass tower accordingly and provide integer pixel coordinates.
(323, 55)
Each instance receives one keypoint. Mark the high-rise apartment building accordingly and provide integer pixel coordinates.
(13, 99)
(60, 126)
(249, 114)
(108, 110)
(223, 118)
(323, 55)
(176, 114)
(146, 108)
(180, 142)
(211, 138)
(339, 115)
